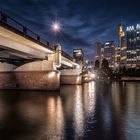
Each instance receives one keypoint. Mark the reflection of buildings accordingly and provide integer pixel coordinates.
(89, 98)
(73, 108)
(78, 56)
(78, 113)
(79, 106)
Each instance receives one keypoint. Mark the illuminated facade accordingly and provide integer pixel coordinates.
(122, 45)
(117, 56)
(109, 53)
(78, 56)
(98, 51)
(133, 46)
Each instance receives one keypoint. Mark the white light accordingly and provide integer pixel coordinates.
(78, 66)
(51, 74)
(56, 26)
(107, 43)
(93, 75)
(130, 28)
(138, 26)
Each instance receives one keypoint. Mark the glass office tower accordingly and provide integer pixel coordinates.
(133, 46)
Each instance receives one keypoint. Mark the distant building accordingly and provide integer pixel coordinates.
(78, 56)
(98, 51)
(122, 45)
(129, 43)
(117, 56)
(133, 46)
(109, 53)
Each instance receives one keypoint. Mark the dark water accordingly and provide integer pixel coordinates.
(94, 111)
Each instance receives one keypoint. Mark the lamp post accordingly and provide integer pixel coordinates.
(56, 26)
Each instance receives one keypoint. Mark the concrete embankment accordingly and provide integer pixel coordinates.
(130, 79)
(71, 77)
(33, 80)
(32, 76)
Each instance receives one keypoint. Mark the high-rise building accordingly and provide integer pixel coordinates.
(78, 56)
(122, 45)
(109, 53)
(117, 56)
(129, 43)
(133, 46)
(98, 51)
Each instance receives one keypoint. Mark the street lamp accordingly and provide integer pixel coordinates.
(56, 26)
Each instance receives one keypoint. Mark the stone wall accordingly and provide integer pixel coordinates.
(4, 67)
(70, 79)
(7, 80)
(37, 66)
(31, 80)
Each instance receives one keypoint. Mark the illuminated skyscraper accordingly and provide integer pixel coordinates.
(122, 45)
(109, 53)
(117, 56)
(133, 46)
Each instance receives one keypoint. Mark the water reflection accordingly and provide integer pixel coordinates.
(80, 106)
(78, 113)
(89, 111)
(54, 119)
(89, 98)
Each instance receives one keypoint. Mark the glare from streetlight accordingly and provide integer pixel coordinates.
(56, 26)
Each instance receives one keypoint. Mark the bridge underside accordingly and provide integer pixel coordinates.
(26, 60)
(14, 57)
(14, 47)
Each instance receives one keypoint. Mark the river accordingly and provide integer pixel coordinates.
(93, 111)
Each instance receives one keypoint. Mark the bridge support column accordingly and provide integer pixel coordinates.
(71, 77)
(39, 75)
(38, 80)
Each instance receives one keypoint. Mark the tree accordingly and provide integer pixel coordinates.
(105, 64)
(97, 64)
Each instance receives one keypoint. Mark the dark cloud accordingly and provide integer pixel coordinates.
(83, 21)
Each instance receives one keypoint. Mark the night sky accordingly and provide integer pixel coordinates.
(83, 22)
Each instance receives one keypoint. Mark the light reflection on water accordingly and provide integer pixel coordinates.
(90, 111)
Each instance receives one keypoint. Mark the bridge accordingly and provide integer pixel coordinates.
(18, 42)
(28, 61)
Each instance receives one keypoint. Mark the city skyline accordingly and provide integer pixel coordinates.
(83, 22)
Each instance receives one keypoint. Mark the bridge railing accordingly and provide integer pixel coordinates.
(66, 55)
(20, 29)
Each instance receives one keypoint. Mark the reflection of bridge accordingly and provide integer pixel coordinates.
(29, 59)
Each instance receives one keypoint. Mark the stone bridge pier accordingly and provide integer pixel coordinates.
(37, 75)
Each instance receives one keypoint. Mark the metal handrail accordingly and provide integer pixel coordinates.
(20, 29)
(66, 55)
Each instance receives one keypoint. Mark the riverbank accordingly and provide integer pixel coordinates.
(130, 78)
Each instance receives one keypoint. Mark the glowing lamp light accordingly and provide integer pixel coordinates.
(56, 26)
(93, 75)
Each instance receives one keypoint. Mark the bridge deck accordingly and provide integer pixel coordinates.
(16, 27)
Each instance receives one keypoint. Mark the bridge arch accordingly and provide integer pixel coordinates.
(40, 65)
(5, 67)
